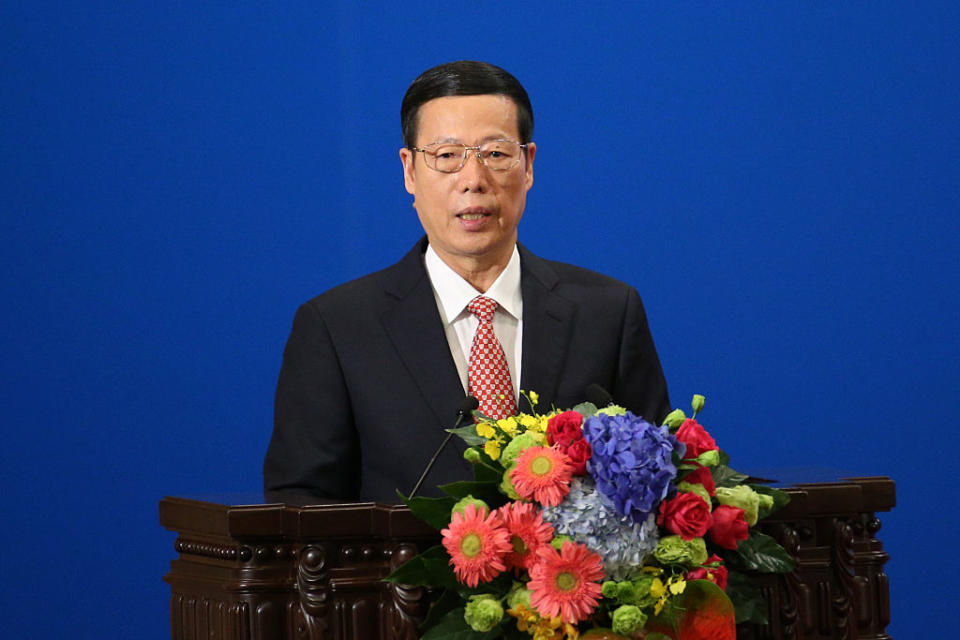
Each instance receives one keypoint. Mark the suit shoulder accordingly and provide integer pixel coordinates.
(350, 292)
(562, 276)
(576, 274)
(397, 280)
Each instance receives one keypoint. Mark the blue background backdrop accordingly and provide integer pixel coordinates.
(779, 182)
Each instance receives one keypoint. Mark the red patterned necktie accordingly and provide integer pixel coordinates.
(489, 374)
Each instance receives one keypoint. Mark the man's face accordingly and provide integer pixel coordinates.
(471, 216)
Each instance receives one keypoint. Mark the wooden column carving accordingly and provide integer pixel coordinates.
(313, 585)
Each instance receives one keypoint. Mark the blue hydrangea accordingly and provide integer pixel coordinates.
(589, 518)
(632, 462)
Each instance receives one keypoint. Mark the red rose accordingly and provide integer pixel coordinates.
(702, 475)
(564, 428)
(686, 515)
(696, 438)
(728, 527)
(579, 452)
(717, 575)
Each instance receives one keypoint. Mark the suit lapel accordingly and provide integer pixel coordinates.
(414, 326)
(547, 322)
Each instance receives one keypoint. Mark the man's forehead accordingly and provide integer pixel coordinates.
(437, 116)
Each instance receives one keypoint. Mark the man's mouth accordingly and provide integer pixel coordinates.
(473, 213)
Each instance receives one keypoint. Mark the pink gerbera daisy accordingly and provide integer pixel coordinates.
(564, 583)
(542, 474)
(528, 532)
(476, 545)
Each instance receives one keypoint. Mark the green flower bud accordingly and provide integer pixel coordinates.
(518, 594)
(676, 550)
(461, 506)
(675, 418)
(766, 502)
(612, 410)
(698, 489)
(609, 589)
(626, 592)
(628, 619)
(698, 550)
(742, 497)
(483, 612)
(557, 542)
(506, 484)
(709, 458)
(471, 455)
(671, 550)
(697, 403)
(517, 446)
(641, 589)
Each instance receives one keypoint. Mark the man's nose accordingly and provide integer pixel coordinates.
(473, 175)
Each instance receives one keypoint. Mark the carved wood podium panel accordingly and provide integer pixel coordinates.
(286, 571)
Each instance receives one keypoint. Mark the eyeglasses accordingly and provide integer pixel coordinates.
(496, 155)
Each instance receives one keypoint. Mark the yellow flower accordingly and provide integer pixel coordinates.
(657, 608)
(657, 589)
(485, 430)
(508, 425)
(547, 629)
(527, 420)
(492, 448)
(534, 398)
(676, 584)
(525, 616)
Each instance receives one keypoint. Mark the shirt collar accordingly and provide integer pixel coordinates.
(455, 293)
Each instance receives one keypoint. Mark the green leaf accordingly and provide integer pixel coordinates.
(724, 476)
(448, 601)
(747, 598)
(700, 597)
(452, 626)
(780, 499)
(487, 472)
(762, 553)
(724, 458)
(428, 569)
(510, 631)
(489, 492)
(586, 409)
(469, 435)
(434, 511)
(498, 587)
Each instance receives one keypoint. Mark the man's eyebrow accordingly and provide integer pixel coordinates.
(494, 136)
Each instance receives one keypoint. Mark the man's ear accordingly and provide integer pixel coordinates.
(531, 151)
(409, 179)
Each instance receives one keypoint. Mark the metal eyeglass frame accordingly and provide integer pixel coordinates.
(466, 152)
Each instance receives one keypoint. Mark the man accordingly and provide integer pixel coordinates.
(375, 369)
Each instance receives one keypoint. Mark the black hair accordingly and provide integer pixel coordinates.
(463, 78)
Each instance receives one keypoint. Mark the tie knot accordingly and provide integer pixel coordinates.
(483, 308)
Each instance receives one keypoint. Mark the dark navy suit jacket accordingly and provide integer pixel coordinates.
(368, 384)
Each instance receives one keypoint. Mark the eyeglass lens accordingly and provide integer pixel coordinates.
(498, 155)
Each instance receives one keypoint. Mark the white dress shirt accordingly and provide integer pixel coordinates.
(453, 294)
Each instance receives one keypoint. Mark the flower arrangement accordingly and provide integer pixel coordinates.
(595, 523)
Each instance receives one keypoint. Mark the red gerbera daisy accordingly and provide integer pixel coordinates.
(476, 545)
(564, 583)
(528, 532)
(542, 474)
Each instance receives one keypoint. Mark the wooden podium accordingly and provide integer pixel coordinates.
(310, 571)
